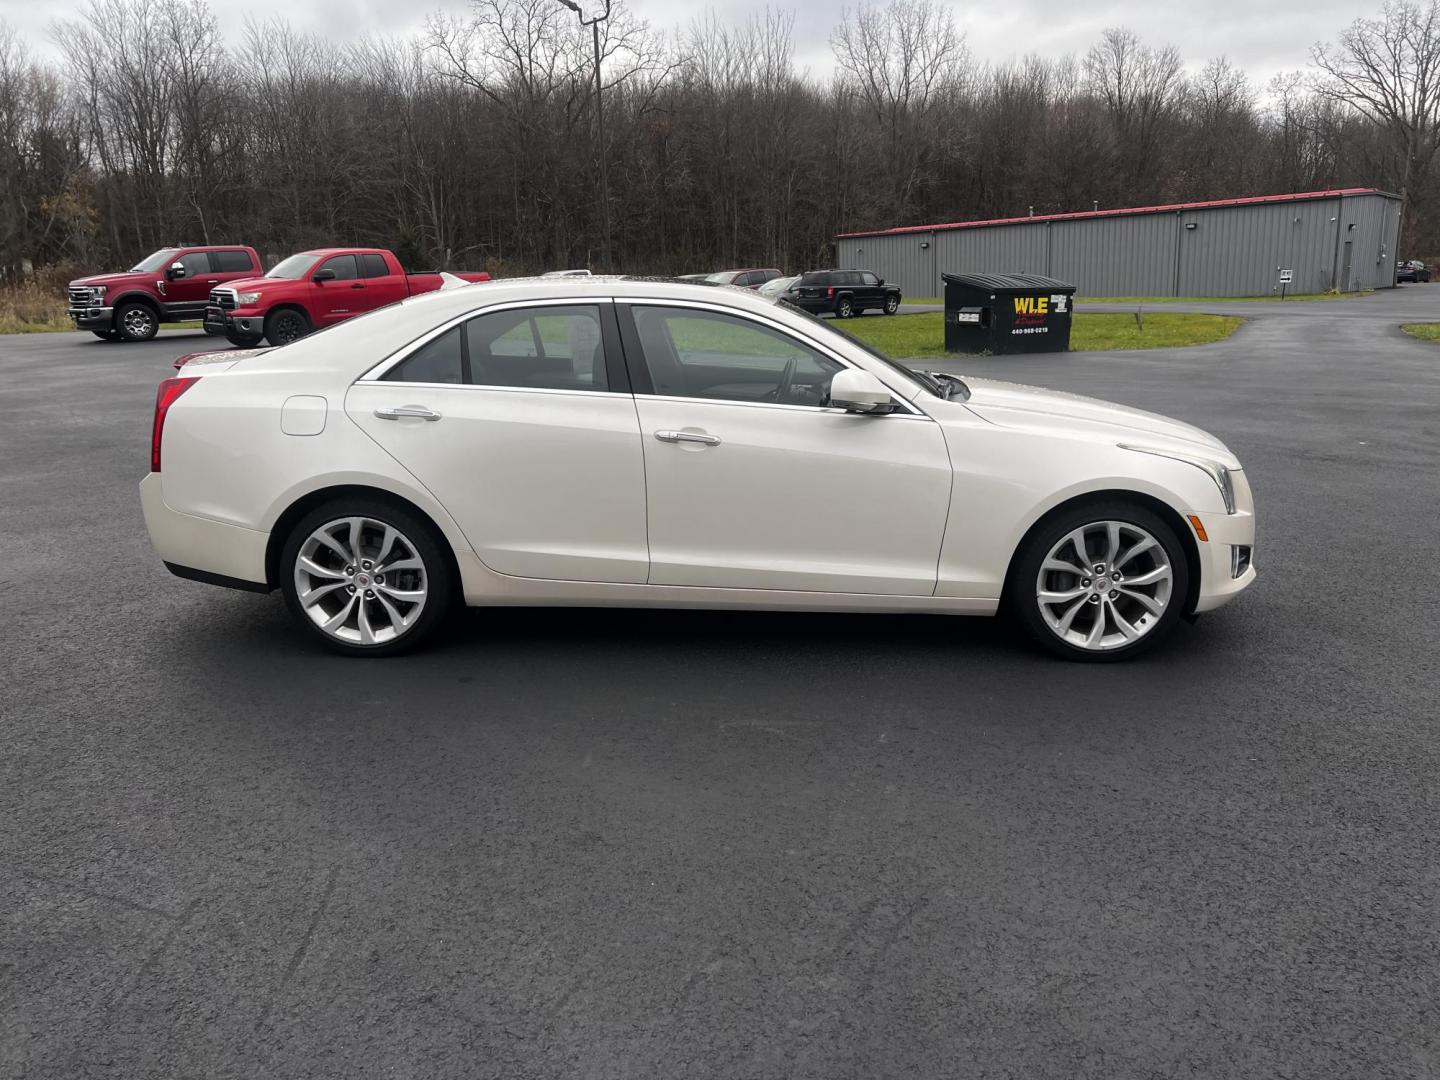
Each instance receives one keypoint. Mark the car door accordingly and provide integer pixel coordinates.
(755, 483)
(231, 265)
(520, 421)
(342, 296)
(872, 290)
(381, 285)
(186, 297)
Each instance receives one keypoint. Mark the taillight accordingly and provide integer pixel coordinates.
(830, 291)
(168, 393)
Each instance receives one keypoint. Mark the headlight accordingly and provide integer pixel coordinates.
(247, 298)
(1216, 471)
(97, 295)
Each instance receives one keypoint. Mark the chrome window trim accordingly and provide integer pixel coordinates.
(779, 327)
(832, 410)
(403, 353)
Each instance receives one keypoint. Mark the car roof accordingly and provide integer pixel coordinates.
(317, 252)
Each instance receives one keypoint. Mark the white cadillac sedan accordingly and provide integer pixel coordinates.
(627, 442)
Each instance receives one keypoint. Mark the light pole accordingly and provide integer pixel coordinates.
(594, 24)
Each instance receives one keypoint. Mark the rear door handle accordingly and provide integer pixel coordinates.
(357, 285)
(407, 412)
(687, 436)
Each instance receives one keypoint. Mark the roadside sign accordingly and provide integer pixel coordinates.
(1287, 276)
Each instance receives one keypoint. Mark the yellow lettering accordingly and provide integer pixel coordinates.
(1042, 306)
(1022, 305)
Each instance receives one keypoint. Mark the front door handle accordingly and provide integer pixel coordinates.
(407, 412)
(357, 285)
(687, 436)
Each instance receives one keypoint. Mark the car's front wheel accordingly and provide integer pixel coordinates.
(1107, 581)
(892, 305)
(136, 322)
(366, 577)
(285, 325)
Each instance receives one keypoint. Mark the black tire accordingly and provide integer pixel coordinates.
(284, 325)
(892, 304)
(1021, 602)
(441, 586)
(844, 309)
(136, 322)
(243, 341)
(107, 335)
(212, 331)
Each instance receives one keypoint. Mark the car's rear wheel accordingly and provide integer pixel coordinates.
(844, 308)
(285, 325)
(136, 322)
(367, 578)
(1107, 581)
(892, 305)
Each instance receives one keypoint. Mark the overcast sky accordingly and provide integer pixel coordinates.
(1262, 37)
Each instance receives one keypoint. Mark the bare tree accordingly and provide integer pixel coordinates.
(1388, 70)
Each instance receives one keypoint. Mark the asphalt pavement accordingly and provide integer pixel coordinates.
(674, 844)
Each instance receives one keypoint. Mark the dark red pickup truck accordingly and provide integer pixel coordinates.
(313, 290)
(171, 285)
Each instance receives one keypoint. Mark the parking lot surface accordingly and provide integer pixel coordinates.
(670, 844)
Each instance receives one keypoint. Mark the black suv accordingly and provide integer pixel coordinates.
(1414, 270)
(845, 292)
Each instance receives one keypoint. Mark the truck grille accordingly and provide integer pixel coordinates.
(81, 297)
(224, 299)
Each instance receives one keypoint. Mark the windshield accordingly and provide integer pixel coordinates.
(924, 379)
(293, 268)
(154, 262)
(722, 278)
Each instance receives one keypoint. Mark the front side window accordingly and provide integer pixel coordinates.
(342, 265)
(869, 279)
(705, 354)
(195, 263)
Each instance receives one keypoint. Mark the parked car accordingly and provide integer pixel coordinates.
(313, 290)
(746, 279)
(778, 286)
(658, 444)
(170, 285)
(1412, 271)
(844, 292)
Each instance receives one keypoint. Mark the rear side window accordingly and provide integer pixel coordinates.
(373, 266)
(343, 265)
(540, 348)
(815, 277)
(437, 361)
(231, 262)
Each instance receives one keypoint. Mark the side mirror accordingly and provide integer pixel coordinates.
(323, 275)
(176, 271)
(858, 391)
(882, 281)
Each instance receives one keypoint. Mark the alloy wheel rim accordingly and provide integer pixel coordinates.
(1104, 585)
(137, 321)
(287, 329)
(361, 581)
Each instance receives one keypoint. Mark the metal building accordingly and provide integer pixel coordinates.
(1344, 239)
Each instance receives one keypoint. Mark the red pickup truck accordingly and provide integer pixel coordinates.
(313, 290)
(171, 285)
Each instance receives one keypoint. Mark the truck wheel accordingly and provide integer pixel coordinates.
(892, 305)
(136, 322)
(106, 335)
(285, 325)
(243, 341)
(843, 308)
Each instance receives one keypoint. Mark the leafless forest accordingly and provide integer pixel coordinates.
(473, 144)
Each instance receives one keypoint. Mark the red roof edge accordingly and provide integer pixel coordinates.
(1252, 200)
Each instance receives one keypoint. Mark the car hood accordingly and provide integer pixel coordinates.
(255, 284)
(127, 277)
(1012, 405)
